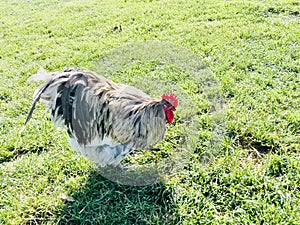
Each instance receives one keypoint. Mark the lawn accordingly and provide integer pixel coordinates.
(246, 172)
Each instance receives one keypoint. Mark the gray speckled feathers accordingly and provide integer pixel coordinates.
(92, 109)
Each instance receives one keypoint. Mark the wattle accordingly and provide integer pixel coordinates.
(169, 116)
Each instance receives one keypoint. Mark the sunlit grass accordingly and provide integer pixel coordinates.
(252, 49)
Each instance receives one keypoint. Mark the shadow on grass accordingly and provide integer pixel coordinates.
(101, 201)
(11, 153)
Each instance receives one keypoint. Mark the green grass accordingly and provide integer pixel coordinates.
(253, 51)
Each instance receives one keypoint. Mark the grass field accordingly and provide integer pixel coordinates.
(253, 51)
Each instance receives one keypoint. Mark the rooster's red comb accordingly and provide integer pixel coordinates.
(171, 98)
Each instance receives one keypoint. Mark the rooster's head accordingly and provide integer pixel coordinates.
(170, 106)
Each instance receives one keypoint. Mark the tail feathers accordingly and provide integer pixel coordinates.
(41, 75)
(57, 83)
(36, 98)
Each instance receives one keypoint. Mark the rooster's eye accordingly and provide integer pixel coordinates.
(171, 107)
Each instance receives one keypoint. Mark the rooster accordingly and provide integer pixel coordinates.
(104, 120)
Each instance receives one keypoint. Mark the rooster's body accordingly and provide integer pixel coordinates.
(105, 120)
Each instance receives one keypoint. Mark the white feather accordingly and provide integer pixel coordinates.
(41, 75)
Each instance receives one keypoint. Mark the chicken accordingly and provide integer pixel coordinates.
(104, 120)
